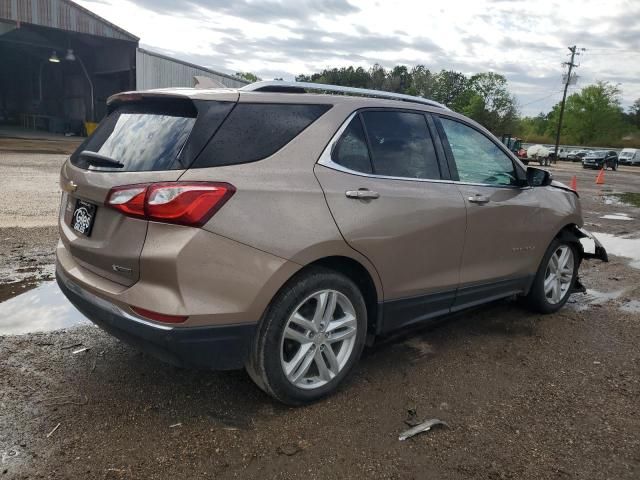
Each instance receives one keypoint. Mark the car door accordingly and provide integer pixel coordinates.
(502, 246)
(390, 193)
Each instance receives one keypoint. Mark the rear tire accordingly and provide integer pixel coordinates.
(310, 338)
(555, 278)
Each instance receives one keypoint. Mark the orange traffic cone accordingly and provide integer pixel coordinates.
(600, 178)
(574, 184)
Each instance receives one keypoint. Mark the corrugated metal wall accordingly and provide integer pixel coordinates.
(158, 71)
(61, 14)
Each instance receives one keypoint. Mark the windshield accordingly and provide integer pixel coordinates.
(626, 154)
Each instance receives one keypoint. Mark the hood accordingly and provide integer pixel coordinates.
(562, 186)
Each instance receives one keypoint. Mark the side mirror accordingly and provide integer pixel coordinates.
(537, 177)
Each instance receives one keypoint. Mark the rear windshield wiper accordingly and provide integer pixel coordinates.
(98, 160)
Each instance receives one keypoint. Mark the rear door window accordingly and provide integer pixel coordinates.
(401, 145)
(254, 131)
(143, 137)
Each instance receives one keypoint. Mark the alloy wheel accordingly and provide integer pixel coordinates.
(318, 339)
(559, 274)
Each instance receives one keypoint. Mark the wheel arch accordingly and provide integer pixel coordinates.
(570, 233)
(359, 275)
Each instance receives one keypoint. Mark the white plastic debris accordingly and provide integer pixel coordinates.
(422, 427)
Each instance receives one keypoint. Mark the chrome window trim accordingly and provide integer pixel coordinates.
(326, 161)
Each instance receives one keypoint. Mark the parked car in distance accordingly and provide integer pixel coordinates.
(562, 153)
(601, 159)
(629, 156)
(577, 155)
(280, 230)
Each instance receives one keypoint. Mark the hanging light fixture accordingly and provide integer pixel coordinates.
(70, 57)
(54, 57)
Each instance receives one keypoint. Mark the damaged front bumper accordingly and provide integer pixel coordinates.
(591, 247)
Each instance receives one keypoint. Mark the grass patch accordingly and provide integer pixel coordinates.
(629, 198)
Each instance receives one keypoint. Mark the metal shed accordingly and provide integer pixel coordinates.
(60, 63)
(154, 70)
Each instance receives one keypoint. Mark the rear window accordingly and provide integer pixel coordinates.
(143, 136)
(254, 131)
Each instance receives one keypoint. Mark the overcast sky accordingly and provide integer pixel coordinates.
(524, 40)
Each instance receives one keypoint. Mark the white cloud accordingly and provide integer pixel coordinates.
(526, 41)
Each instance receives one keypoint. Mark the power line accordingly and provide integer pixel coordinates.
(540, 99)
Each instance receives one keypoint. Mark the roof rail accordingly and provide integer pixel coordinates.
(302, 87)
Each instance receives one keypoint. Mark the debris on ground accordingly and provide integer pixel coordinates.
(175, 425)
(412, 417)
(80, 350)
(291, 449)
(422, 427)
(52, 431)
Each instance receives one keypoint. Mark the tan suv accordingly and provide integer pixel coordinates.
(281, 230)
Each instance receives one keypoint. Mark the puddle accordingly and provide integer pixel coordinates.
(42, 309)
(592, 297)
(617, 216)
(615, 200)
(621, 247)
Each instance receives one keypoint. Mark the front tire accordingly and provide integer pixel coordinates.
(555, 278)
(310, 338)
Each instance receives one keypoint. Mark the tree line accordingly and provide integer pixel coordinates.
(593, 116)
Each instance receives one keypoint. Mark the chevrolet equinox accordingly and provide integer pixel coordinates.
(280, 230)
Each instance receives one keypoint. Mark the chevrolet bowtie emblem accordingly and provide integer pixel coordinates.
(69, 186)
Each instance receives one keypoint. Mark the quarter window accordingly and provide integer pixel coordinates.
(351, 151)
(478, 159)
(401, 145)
(254, 131)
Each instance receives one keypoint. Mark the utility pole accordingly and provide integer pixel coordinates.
(564, 97)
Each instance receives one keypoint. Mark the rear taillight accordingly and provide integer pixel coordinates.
(184, 203)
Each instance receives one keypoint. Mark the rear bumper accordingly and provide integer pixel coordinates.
(211, 347)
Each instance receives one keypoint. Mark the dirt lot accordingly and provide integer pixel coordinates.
(526, 396)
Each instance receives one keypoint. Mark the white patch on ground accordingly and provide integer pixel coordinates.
(617, 216)
(592, 297)
(613, 200)
(632, 306)
(621, 247)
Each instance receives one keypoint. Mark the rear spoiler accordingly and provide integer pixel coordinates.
(219, 94)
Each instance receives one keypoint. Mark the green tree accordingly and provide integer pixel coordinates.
(634, 113)
(592, 116)
(248, 76)
(491, 103)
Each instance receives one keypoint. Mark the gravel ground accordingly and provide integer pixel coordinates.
(526, 396)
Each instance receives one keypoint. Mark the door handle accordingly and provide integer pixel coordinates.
(362, 194)
(480, 199)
